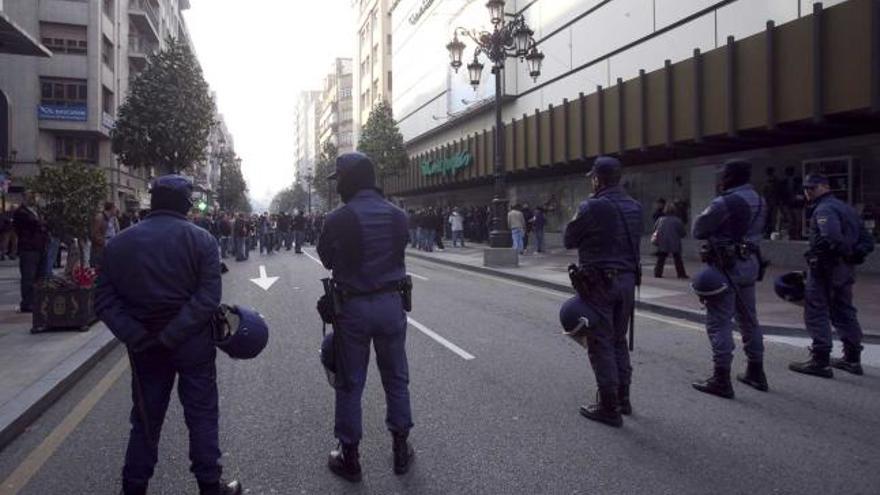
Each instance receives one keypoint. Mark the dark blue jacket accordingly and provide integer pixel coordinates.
(737, 215)
(835, 221)
(599, 234)
(161, 276)
(364, 242)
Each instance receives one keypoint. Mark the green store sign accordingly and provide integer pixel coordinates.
(446, 166)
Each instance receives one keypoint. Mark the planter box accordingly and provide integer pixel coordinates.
(63, 309)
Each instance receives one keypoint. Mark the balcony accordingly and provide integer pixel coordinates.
(139, 49)
(144, 15)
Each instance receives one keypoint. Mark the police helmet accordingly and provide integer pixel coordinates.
(328, 358)
(791, 287)
(240, 332)
(577, 318)
(710, 282)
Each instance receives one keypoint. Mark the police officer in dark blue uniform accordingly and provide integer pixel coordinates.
(732, 227)
(606, 233)
(838, 242)
(363, 243)
(157, 292)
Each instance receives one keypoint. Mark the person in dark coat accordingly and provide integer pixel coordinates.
(158, 289)
(33, 241)
(299, 231)
(364, 244)
(669, 230)
(606, 233)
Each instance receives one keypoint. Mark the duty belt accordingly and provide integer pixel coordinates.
(347, 293)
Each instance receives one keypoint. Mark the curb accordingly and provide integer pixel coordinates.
(22, 410)
(650, 307)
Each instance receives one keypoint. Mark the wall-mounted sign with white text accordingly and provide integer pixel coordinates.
(60, 112)
(446, 166)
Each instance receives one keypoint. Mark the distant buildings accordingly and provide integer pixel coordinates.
(372, 61)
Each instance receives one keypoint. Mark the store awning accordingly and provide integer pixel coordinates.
(16, 41)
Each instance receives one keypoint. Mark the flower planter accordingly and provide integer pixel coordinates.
(63, 308)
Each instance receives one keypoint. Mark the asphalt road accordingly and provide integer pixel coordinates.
(505, 421)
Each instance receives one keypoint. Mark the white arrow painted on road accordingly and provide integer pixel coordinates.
(264, 282)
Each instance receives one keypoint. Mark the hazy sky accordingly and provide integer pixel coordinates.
(258, 55)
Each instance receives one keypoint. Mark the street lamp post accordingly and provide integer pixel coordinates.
(510, 37)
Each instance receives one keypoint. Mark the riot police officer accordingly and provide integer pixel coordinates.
(363, 242)
(838, 241)
(732, 227)
(157, 292)
(606, 233)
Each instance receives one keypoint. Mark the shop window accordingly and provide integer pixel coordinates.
(71, 148)
(63, 92)
(64, 38)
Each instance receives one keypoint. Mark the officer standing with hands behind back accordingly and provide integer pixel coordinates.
(606, 233)
(165, 321)
(363, 243)
(838, 242)
(732, 226)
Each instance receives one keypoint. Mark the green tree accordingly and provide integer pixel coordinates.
(232, 194)
(168, 114)
(321, 187)
(72, 194)
(382, 141)
(289, 199)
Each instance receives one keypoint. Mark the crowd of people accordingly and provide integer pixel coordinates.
(239, 233)
(430, 226)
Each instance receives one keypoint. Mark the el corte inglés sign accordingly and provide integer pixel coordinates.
(446, 166)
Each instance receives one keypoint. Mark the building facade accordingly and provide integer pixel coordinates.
(306, 147)
(672, 87)
(373, 76)
(336, 117)
(63, 108)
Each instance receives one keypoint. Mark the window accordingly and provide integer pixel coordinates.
(108, 8)
(345, 93)
(345, 139)
(107, 101)
(72, 148)
(63, 92)
(389, 82)
(107, 52)
(388, 48)
(64, 38)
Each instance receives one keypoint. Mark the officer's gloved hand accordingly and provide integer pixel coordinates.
(148, 343)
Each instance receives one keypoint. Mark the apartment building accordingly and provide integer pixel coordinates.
(64, 107)
(373, 76)
(305, 138)
(336, 117)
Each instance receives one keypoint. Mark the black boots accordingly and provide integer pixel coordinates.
(345, 462)
(717, 384)
(626, 407)
(220, 488)
(818, 365)
(606, 410)
(403, 452)
(754, 376)
(851, 361)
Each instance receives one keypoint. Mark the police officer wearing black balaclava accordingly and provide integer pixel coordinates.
(157, 292)
(606, 233)
(838, 242)
(732, 227)
(363, 243)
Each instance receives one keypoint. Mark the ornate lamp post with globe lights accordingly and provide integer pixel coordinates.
(512, 38)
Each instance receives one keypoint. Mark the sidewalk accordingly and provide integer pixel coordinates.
(668, 296)
(35, 370)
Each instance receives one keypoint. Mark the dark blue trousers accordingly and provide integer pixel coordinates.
(379, 319)
(829, 301)
(29, 266)
(193, 365)
(607, 344)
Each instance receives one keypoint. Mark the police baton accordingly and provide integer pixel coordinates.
(139, 404)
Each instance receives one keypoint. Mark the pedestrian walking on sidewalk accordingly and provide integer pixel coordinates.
(105, 226)
(606, 232)
(669, 230)
(539, 222)
(456, 223)
(364, 244)
(732, 227)
(33, 241)
(517, 224)
(838, 242)
(158, 291)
